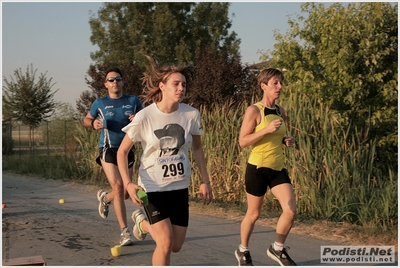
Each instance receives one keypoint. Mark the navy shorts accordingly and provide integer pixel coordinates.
(171, 204)
(257, 180)
(109, 155)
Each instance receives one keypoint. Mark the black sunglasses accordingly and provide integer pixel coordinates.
(112, 79)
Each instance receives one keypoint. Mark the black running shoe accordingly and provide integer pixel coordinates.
(280, 256)
(244, 258)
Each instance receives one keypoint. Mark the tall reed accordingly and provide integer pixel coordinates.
(225, 159)
(86, 167)
(332, 170)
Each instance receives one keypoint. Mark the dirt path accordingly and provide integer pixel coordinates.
(69, 234)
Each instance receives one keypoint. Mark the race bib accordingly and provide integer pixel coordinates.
(171, 168)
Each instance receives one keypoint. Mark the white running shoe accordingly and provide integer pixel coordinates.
(103, 206)
(138, 217)
(126, 238)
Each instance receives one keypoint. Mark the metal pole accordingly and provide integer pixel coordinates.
(369, 122)
(33, 142)
(65, 137)
(19, 138)
(48, 148)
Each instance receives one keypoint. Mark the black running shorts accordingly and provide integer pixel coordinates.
(257, 180)
(171, 204)
(109, 155)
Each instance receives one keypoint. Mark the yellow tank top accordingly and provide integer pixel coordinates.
(268, 152)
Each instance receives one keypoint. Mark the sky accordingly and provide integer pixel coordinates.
(55, 38)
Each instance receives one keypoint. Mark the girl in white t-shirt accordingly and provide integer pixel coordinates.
(167, 129)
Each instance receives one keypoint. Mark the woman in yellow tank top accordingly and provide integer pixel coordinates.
(264, 129)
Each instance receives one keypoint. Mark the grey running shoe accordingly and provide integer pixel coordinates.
(243, 258)
(280, 256)
(126, 238)
(103, 206)
(138, 217)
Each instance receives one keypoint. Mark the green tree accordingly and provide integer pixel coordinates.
(172, 33)
(219, 76)
(27, 101)
(346, 57)
(132, 85)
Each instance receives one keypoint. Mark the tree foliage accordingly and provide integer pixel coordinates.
(346, 57)
(27, 101)
(172, 33)
(132, 85)
(218, 78)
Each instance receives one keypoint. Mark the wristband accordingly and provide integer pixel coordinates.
(203, 182)
(129, 182)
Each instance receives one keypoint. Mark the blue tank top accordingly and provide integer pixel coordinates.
(115, 115)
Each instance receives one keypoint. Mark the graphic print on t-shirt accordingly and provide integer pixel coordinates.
(170, 166)
(172, 137)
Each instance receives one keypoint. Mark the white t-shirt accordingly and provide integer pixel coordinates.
(165, 139)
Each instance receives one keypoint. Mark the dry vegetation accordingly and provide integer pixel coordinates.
(339, 233)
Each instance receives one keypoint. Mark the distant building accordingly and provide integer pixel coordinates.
(259, 66)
